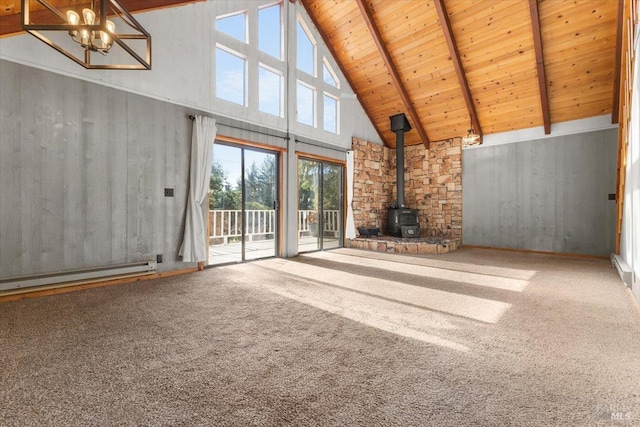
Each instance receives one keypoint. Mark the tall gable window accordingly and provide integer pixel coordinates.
(249, 61)
(258, 73)
(318, 90)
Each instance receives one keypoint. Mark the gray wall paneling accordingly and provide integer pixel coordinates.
(545, 195)
(83, 169)
(82, 174)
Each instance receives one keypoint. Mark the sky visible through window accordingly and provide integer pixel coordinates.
(230, 77)
(304, 105)
(330, 114)
(234, 25)
(269, 31)
(305, 51)
(269, 91)
(327, 76)
(230, 159)
(232, 73)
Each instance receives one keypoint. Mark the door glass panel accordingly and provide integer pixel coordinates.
(319, 205)
(331, 206)
(260, 195)
(225, 205)
(308, 205)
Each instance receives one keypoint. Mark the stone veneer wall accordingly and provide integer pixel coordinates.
(433, 185)
(371, 186)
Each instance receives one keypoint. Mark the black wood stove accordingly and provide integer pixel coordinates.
(401, 221)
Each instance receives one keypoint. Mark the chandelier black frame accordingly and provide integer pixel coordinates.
(102, 9)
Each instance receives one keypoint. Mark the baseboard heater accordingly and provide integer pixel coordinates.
(85, 274)
(623, 269)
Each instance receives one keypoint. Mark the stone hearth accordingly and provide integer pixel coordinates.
(399, 245)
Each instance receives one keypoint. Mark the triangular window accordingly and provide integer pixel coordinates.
(328, 75)
(306, 49)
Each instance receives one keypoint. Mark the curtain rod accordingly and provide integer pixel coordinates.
(247, 129)
(308, 142)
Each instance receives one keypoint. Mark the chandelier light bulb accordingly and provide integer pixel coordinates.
(72, 17)
(84, 37)
(106, 39)
(89, 16)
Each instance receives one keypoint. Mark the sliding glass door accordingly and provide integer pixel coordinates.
(320, 205)
(243, 214)
(331, 205)
(260, 195)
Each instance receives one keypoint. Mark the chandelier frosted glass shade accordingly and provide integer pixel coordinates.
(471, 138)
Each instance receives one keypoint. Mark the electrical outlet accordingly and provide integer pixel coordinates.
(612, 196)
(159, 258)
(168, 192)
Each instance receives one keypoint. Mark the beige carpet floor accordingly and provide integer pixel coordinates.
(339, 338)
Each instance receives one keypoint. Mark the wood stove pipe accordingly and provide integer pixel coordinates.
(400, 125)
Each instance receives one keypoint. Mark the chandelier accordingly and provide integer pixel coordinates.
(79, 34)
(88, 39)
(471, 138)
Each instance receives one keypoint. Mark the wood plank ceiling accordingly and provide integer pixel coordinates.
(522, 64)
(502, 64)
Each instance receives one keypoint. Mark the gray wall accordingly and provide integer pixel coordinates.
(83, 169)
(543, 195)
(82, 174)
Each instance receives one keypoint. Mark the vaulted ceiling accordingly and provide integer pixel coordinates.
(502, 65)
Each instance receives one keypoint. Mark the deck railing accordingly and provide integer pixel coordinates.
(307, 219)
(261, 224)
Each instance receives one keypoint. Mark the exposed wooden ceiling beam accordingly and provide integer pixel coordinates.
(11, 24)
(445, 23)
(615, 108)
(395, 77)
(332, 51)
(542, 78)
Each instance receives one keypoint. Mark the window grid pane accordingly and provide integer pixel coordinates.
(270, 31)
(306, 51)
(230, 77)
(305, 105)
(234, 26)
(269, 92)
(330, 114)
(327, 75)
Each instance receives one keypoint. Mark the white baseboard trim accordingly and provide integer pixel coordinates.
(623, 269)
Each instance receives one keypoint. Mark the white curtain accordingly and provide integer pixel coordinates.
(194, 241)
(350, 228)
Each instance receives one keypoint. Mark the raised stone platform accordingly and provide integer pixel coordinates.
(399, 245)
